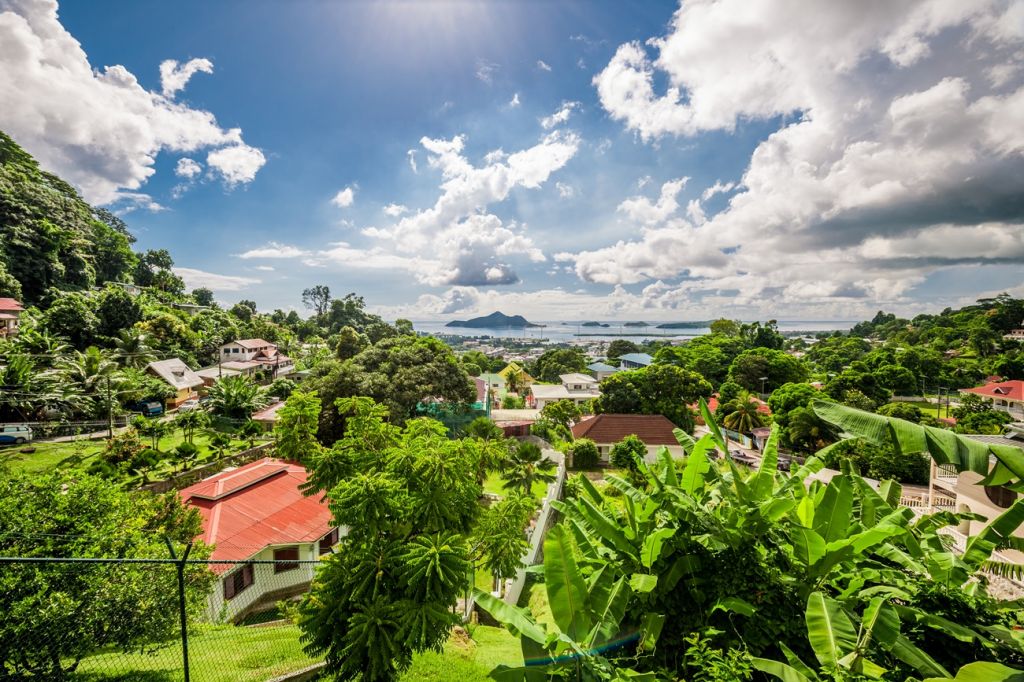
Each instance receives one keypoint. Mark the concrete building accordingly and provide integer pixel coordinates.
(578, 388)
(257, 512)
(179, 376)
(10, 314)
(1005, 396)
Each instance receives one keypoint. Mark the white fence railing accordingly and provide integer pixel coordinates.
(534, 555)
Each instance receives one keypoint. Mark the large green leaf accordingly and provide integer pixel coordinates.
(697, 466)
(764, 481)
(829, 629)
(983, 672)
(944, 446)
(808, 546)
(780, 670)
(653, 545)
(981, 546)
(832, 517)
(603, 527)
(608, 614)
(567, 592)
(643, 582)
(517, 620)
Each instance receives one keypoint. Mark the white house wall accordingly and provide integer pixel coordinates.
(265, 581)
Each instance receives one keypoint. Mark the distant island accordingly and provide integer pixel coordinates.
(594, 324)
(700, 324)
(496, 320)
(636, 324)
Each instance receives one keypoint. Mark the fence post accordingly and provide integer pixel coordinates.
(182, 614)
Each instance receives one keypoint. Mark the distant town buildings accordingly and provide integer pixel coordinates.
(635, 360)
(578, 388)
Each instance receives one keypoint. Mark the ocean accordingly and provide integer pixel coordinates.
(569, 331)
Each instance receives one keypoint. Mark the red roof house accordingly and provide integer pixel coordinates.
(256, 506)
(606, 430)
(10, 311)
(1007, 396)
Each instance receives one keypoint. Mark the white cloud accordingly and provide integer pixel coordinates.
(274, 250)
(187, 168)
(893, 159)
(457, 241)
(237, 164)
(542, 65)
(174, 76)
(100, 129)
(395, 210)
(643, 210)
(128, 202)
(514, 102)
(565, 191)
(412, 160)
(559, 117)
(485, 71)
(264, 268)
(199, 278)
(344, 198)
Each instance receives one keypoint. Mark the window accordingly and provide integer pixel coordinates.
(286, 554)
(238, 581)
(1000, 496)
(328, 541)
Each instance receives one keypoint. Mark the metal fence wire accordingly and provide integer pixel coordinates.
(152, 620)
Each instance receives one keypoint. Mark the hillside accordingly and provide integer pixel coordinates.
(49, 236)
(496, 320)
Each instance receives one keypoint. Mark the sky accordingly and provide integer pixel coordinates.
(559, 160)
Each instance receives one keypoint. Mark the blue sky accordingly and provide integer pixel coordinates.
(559, 160)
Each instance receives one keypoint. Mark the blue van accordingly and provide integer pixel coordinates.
(152, 408)
(15, 434)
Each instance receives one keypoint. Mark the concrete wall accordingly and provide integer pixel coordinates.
(973, 496)
(265, 582)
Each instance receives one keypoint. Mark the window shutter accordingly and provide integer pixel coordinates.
(229, 586)
(248, 577)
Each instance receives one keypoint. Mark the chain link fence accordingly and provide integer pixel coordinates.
(152, 620)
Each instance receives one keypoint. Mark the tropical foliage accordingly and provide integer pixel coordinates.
(712, 568)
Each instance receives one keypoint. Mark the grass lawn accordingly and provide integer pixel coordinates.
(468, 659)
(494, 484)
(938, 411)
(217, 653)
(80, 454)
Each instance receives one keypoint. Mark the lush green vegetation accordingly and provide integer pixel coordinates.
(715, 573)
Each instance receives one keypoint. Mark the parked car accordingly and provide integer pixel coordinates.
(15, 433)
(152, 408)
(189, 405)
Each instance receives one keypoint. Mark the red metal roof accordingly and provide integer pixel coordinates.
(258, 505)
(481, 389)
(1004, 390)
(10, 304)
(652, 429)
(268, 413)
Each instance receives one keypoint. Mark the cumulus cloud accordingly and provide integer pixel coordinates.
(514, 102)
(344, 198)
(174, 76)
(133, 201)
(456, 241)
(395, 210)
(199, 278)
(643, 210)
(565, 191)
(543, 65)
(559, 117)
(894, 156)
(187, 168)
(99, 128)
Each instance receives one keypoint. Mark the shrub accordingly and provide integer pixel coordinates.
(122, 447)
(585, 454)
(877, 462)
(627, 454)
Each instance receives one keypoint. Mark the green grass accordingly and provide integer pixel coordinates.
(217, 653)
(536, 599)
(226, 653)
(494, 484)
(79, 454)
(468, 659)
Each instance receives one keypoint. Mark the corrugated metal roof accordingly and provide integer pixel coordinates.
(256, 506)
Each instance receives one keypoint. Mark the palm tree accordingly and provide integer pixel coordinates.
(93, 373)
(131, 349)
(219, 441)
(189, 421)
(236, 396)
(807, 431)
(526, 466)
(743, 416)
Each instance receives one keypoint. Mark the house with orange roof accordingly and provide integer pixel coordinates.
(655, 430)
(257, 512)
(10, 313)
(1005, 396)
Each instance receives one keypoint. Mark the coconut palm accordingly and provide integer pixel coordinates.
(132, 350)
(525, 466)
(743, 416)
(93, 373)
(219, 441)
(236, 396)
